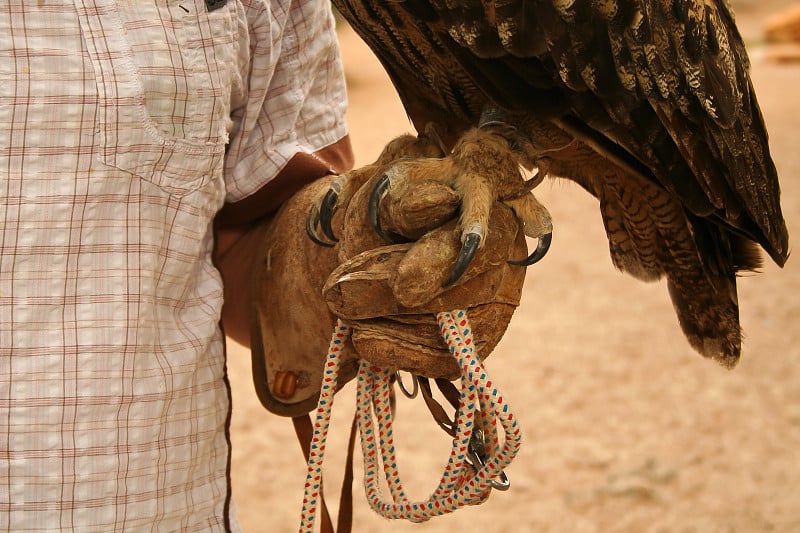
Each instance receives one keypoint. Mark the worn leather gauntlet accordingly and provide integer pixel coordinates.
(388, 292)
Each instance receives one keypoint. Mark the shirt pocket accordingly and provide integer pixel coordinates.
(163, 72)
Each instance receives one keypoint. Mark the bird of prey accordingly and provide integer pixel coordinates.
(646, 104)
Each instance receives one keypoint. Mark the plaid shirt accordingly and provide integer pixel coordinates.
(126, 125)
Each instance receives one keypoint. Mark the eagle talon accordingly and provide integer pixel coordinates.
(375, 197)
(538, 253)
(326, 211)
(311, 223)
(465, 256)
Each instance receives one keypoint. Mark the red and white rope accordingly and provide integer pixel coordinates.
(461, 484)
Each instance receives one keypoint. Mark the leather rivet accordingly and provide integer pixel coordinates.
(284, 384)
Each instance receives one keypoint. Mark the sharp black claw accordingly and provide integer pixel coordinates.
(378, 192)
(326, 213)
(465, 256)
(311, 223)
(538, 253)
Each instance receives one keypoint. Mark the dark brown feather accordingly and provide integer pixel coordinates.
(660, 88)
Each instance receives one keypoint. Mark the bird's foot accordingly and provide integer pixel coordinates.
(417, 189)
(536, 223)
(344, 186)
(481, 169)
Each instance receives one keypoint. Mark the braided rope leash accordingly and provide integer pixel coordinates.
(461, 483)
(322, 423)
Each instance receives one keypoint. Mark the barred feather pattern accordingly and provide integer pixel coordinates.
(651, 237)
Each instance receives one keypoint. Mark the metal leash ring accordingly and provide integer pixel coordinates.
(477, 455)
(414, 390)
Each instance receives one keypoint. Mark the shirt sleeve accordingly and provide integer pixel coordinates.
(294, 97)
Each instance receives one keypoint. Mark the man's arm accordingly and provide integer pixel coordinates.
(240, 227)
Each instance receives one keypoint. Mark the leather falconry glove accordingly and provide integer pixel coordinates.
(388, 292)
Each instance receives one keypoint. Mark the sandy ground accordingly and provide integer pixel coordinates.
(625, 428)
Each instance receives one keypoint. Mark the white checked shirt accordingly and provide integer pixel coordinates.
(124, 125)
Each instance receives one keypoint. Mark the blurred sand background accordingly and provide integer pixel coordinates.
(626, 429)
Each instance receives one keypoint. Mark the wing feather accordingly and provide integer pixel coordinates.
(671, 76)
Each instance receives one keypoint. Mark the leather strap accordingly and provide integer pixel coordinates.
(436, 409)
(452, 396)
